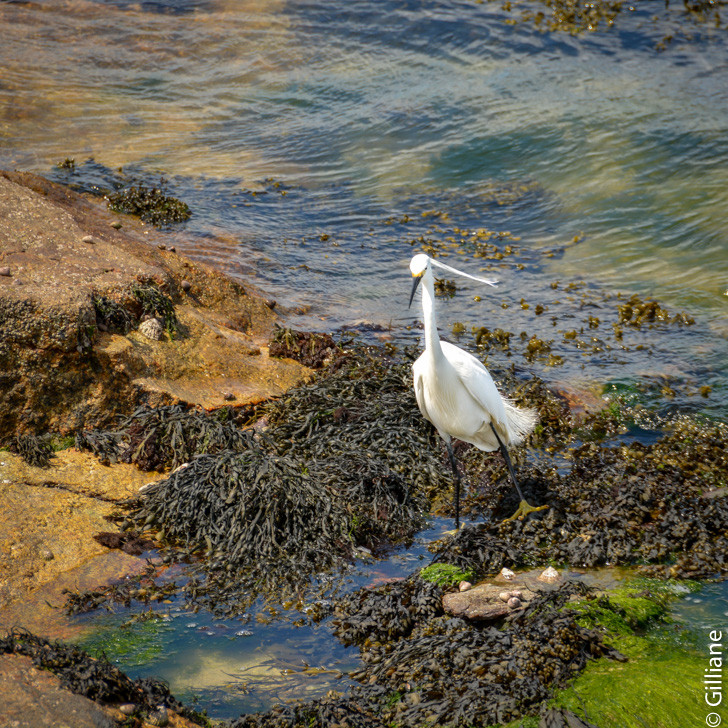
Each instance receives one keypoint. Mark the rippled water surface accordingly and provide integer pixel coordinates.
(319, 144)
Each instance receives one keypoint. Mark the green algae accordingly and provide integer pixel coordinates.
(660, 683)
(445, 574)
(136, 644)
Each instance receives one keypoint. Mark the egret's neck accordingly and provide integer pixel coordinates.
(432, 340)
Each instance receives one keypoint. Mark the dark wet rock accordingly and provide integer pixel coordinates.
(130, 543)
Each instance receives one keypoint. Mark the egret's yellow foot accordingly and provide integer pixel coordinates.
(524, 509)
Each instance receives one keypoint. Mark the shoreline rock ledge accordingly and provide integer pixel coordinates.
(62, 367)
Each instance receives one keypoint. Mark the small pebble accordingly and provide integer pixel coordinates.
(116, 225)
(88, 239)
(507, 573)
(516, 593)
(47, 555)
(228, 396)
(5, 271)
(172, 249)
(186, 286)
(17, 282)
(464, 586)
(549, 575)
(271, 303)
(127, 708)
(162, 247)
(504, 596)
(514, 602)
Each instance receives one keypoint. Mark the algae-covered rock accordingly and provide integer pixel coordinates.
(69, 352)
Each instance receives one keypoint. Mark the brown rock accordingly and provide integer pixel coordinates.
(58, 371)
(33, 698)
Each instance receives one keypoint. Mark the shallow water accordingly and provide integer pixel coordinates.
(280, 123)
(235, 666)
(320, 144)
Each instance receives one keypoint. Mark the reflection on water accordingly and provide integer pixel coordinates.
(250, 664)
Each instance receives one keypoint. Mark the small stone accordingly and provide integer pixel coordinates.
(152, 329)
(5, 271)
(17, 282)
(47, 555)
(127, 708)
(549, 575)
(228, 396)
(464, 586)
(161, 246)
(504, 596)
(172, 249)
(116, 225)
(88, 239)
(514, 602)
(271, 303)
(159, 717)
(507, 573)
(186, 286)
(515, 593)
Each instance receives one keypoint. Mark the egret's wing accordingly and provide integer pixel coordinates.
(477, 380)
(419, 386)
(515, 423)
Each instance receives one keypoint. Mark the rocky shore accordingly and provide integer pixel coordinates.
(79, 286)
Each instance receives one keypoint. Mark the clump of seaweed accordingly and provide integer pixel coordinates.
(149, 203)
(35, 451)
(165, 437)
(425, 668)
(155, 303)
(659, 506)
(637, 313)
(266, 520)
(311, 349)
(345, 462)
(111, 315)
(96, 679)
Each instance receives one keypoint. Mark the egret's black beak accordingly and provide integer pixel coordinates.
(416, 282)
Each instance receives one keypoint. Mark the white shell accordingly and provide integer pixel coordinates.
(152, 329)
(549, 575)
(507, 573)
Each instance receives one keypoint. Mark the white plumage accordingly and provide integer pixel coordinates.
(456, 393)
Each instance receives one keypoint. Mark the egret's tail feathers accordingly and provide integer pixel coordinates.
(520, 422)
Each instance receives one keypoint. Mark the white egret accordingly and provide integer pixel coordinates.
(456, 393)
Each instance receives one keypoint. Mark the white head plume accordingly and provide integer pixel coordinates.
(461, 273)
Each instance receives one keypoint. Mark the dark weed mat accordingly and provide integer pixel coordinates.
(96, 679)
(347, 462)
(662, 507)
(430, 669)
(343, 463)
(34, 450)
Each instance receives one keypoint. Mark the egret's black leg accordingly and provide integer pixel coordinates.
(524, 507)
(456, 475)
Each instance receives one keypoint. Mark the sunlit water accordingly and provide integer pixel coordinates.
(319, 144)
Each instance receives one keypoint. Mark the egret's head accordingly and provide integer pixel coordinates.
(418, 264)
